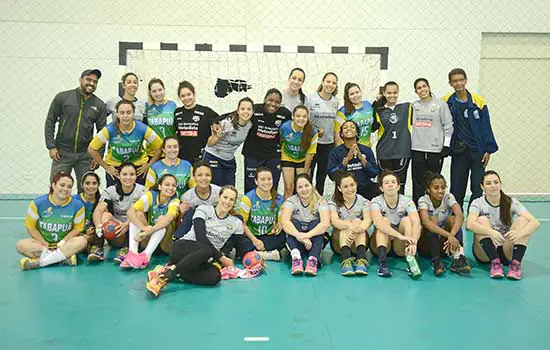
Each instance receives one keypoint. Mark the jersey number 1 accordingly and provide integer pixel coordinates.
(394, 134)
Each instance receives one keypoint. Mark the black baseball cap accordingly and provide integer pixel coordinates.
(91, 71)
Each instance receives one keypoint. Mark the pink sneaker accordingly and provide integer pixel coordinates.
(514, 270)
(311, 266)
(133, 260)
(297, 267)
(496, 269)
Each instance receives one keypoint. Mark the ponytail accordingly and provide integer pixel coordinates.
(505, 206)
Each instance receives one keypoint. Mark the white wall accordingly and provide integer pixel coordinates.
(46, 44)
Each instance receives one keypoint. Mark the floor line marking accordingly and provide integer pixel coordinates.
(254, 339)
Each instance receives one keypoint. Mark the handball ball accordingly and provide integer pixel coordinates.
(252, 259)
(109, 228)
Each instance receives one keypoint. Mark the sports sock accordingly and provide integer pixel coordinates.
(361, 251)
(295, 254)
(345, 251)
(518, 252)
(133, 246)
(489, 248)
(381, 250)
(154, 242)
(457, 253)
(51, 257)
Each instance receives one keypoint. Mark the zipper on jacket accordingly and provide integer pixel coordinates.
(78, 123)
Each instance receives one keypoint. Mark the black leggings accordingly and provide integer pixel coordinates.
(422, 162)
(192, 260)
(320, 161)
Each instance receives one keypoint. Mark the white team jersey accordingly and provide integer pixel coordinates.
(353, 212)
(191, 197)
(322, 114)
(481, 207)
(303, 213)
(218, 230)
(121, 206)
(404, 207)
(442, 212)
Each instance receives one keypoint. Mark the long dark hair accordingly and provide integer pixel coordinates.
(505, 200)
(155, 187)
(320, 88)
(273, 190)
(422, 80)
(300, 91)
(83, 179)
(348, 106)
(58, 176)
(307, 132)
(118, 186)
(380, 103)
(338, 197)
(235, 114)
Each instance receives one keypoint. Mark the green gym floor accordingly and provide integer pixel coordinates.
(101, 307)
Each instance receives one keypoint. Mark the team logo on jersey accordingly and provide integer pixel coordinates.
(196, 118)
(394, 118)
(476, 114)
(278, 123)
(93, 108)
(466, 113)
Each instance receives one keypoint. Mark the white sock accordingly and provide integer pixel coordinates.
(458, 253)
(48, 257)
(270, 255)
(295, 254)
(154, 242)
(133, 246)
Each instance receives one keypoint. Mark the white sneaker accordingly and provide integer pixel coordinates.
(270, 255)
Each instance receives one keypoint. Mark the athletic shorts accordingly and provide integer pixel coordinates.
(287, 164)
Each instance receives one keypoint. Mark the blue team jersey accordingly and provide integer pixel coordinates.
(257, 213)
(290, 143)
(88, 209)
(181, 170)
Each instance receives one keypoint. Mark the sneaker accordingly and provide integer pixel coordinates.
(154, 273)
(361, 266)
(460, 265)
(155, 285)
(29, 263)
(144, 260)
(297, 267)
(311, 266)
(95, 254)
(272, 255)
(383, 269)
(70, 261)
(514, 270)
(496, 269)
(439, 267)
(346, 267)
(414, 269)
(131, 261)
(120, 254)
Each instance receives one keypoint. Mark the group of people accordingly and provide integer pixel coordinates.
(170, 177)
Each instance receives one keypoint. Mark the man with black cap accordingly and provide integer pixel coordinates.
(76, 111)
